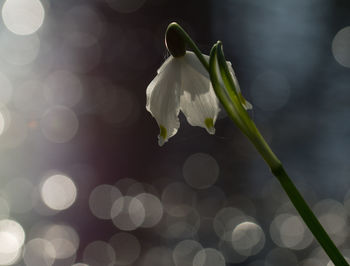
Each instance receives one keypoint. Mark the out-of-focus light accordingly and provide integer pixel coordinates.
(125, 6)
(209, 257)
(128, 213)
(12, 238)
(127, 248)
(333, 216)
(58, 192)
(320, 255)
(230, 254)
(80, 264)
(63, 88)
(200, 170)
(153, 209)
(248, 238)
(39, 252)
(9, 249)
(341, 47)
(270, 91)
(289, 231)
(19, 50)
(99, 253)
(13, 228)
(102, 199)
(178, 199)
(59, 124)
(226, 220)
(177, 227)
(185, 251)
(23, 17)
(64, 239)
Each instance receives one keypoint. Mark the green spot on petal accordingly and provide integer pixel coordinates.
(209, 123)
(163, 132)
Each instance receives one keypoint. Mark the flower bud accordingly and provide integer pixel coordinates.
(174, 41)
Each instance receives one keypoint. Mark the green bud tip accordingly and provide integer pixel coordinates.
(174, 41)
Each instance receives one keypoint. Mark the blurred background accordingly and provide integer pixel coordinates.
(83, 180)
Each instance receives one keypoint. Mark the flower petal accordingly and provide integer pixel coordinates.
(166, 62)
(163, 100)
(192, 61)
(198, 100)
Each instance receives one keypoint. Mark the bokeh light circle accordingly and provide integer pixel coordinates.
(127, 248)
(334, 218)
(59, 124)
(128, 213)
(226, 220)
(248, 238)
(58, 192)
(14, 228)
(341, 47)
(12, 238)
(19, 50)
(200, 170)
(153, 209)
(39, 251)
(185, 251)
(99, 253)
(178, 199)
(64, 239)
(23, 17)
(209, 257)
(289, 231)
(102, 199)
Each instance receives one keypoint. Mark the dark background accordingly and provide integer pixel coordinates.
(286, 59)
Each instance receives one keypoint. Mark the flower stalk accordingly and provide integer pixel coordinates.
(233, 102)
(239, 115)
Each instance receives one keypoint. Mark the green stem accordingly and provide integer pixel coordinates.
(243, 121)
(309, 217)
(237, 113)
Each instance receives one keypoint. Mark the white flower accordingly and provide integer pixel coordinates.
(182, 84)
